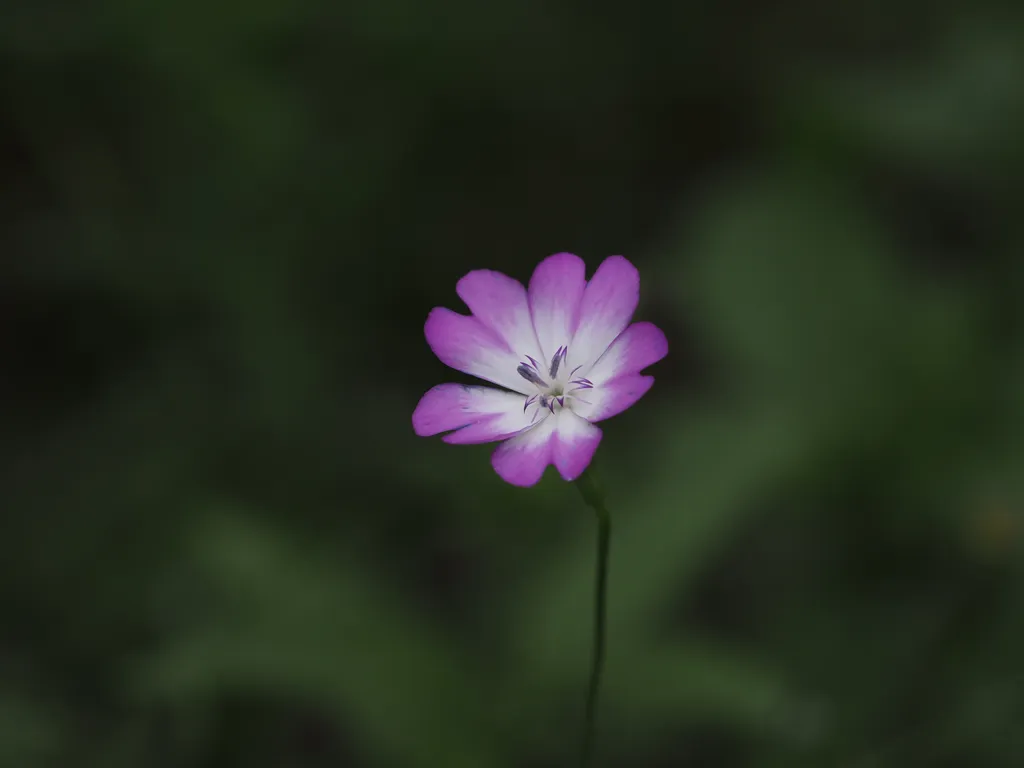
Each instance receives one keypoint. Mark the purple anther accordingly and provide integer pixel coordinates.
(529, 402)
(557, 359)
(534, 363)
(530, 375)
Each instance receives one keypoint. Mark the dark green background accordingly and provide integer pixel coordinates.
(222, 226)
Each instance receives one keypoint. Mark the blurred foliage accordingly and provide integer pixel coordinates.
(222, 227)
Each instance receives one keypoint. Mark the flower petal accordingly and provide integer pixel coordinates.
(608, 304)
(501, 304)
(576, 439)
(556, 289)
(478, 414)
(614, 397)
(495, 427)
(640, 345)
(521, 460)
(465, 344)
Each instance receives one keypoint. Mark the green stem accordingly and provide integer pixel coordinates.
(594, 498)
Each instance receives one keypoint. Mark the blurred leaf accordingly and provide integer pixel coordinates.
(959, 111)
(293, 622)
(670, 686)
(793, 283)
(31, 734)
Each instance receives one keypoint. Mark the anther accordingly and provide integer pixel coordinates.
(530, 375)
(557, 359)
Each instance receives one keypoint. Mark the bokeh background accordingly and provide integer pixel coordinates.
(222, 226)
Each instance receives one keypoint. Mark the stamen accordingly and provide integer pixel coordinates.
(534, 363)
(557, 359)
(529, 402)
(561, 401)
(530, 375)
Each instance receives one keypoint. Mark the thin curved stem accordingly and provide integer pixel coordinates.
(595, 499)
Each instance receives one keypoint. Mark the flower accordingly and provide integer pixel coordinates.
(564, 351)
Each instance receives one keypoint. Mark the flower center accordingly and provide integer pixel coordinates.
(553, 390)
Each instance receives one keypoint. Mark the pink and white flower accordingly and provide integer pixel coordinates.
(564, 352)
